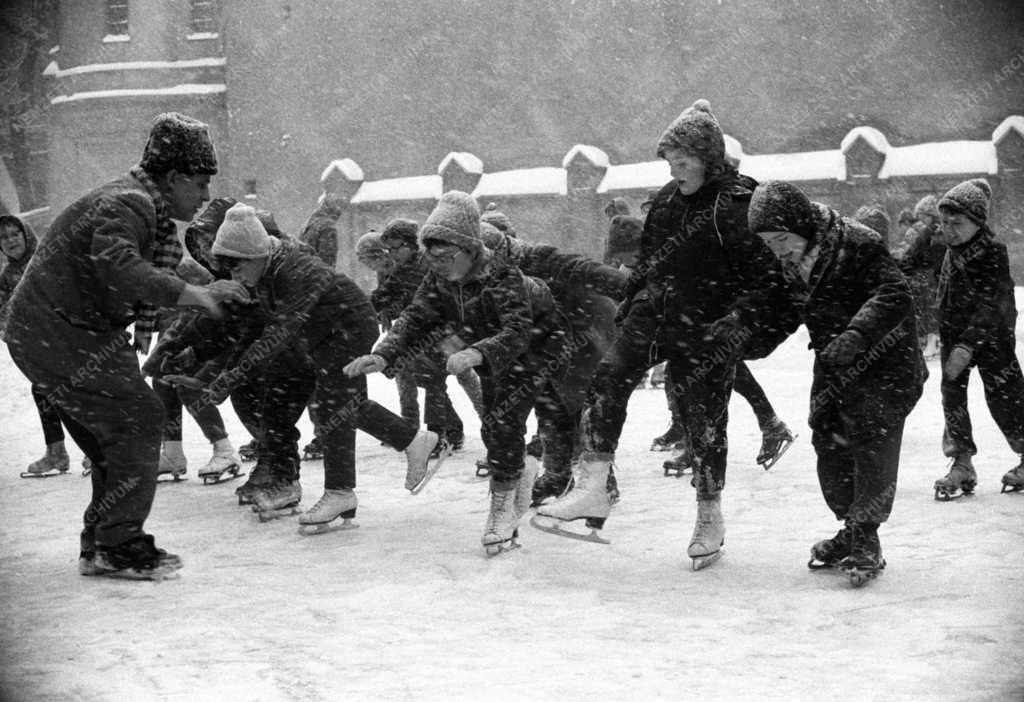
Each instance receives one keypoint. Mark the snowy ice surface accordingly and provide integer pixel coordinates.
(408, 607)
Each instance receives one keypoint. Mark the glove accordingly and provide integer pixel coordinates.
(185, 381)
(368, 363)
(179, 362)
(726, 330)
(959, 359)
(844, 348)
(459, 363)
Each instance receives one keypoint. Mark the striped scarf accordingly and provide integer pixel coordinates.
(167, 253)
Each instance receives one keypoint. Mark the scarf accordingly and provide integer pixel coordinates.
(167, 253)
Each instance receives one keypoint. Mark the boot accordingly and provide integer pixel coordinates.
(668, 440)
(222, 461)
(135, 559)
(314, 450)
(828, 552)
(280, 498)
(959, 481)
(775, 440)
(865, 560)
(333, 504)
(259, 477)
(551, 484)
(500, 530)
(1013, 481)
(172, 460)
(589, 496)
(417, 455)
(708, 533)
(54, 462)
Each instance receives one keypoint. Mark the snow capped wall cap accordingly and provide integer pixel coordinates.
(594, 155)
(52, 69)
(346, 168)
(465, 160)
(875, 139)
(1013, 123)
(733, 150)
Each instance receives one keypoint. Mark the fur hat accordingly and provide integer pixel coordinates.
(970, 198)
(455, 220)
(696, 130)
(874, 218)
(178, 142)
(241, 235)
(927, 205)
(404, 230)
(370, 245)
(624, 235)
(498, 219)
(777, 206)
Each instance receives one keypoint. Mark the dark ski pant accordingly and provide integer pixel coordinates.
(1001, 376)
(49, 417)
(174, 399)
(115, 418)
(702, 380)
(858, 462)
(345, 406)
(745, 385)
(428, 372)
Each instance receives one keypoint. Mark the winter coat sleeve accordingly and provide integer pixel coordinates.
(115, 251)
(574, 272)
(890, 299)
(414, 328)
(509, 296)
(990, 291)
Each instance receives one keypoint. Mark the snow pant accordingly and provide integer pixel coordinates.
(115, 418)
(270, 406)
(745, 385)
(1001, 376)
(345, 406)
(702, 379)
(858, 463)
(428, 372)
(923, 287)
(206, 415)
(408, 397)
(49, 417)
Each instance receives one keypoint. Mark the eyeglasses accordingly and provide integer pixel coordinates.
(439, 255)
(227, 263)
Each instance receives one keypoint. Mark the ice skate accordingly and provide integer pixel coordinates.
(865, 561)
(550, 484)
(280, 499)
(680, 464)
(501, 532)
(775, 441)
(930, 349)
(334, 504)
(249, 452)
(172, 462)
(1013, 481)
(54, 462)
(454, 440)
(223, 465)
(959, 481)
(708, 534)
(314, 450)
(421, 468)
(827, 553)
(483, 468)
(137, 559)
(588, 499)
(259, 477)
(668, 440)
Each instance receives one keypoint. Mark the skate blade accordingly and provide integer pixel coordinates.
(327, 527)
(767, 464)
(433, 465)
(951, 495)
(702, 562)
(160, 573)
(223, 477)
(171, 478)
(661, 447)
(272, 514)
(555, 527)
(47, 474)
(498, 549)
(1006, 488)
(674, 472)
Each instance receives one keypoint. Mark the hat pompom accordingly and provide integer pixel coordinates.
(982, 185)
(702, 105)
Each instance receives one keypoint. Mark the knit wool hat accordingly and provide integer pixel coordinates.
(874, 218)
(970, 198)
(370, 245)
(405, 230)
(492, 237)
(498, 219)
(241, 235)
(696, 130)
(178, 142)
(624, 234)
(777, 206)
(927, 205)
(455, 220)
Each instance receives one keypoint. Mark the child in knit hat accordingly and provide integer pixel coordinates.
(308, 306)
(868, 371)
(508, 327)
(978, 314)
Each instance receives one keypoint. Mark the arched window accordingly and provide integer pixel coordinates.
(117, 17)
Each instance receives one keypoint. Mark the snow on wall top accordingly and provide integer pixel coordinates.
(411, 188)
(1012, 123)
(466, 161)
(804, 165)
(872, 136)
(210, 61)
(526, 181)
(348, 168)
(941, 158)
(593, 154)
(630, 176)
(182, 89)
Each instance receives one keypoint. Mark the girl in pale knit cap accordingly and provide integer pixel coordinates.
(978, 315)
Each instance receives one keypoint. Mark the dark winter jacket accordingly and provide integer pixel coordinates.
(923, 254)
(855, 284)
(698, 262)
(566, 274)
(976, 293)
(395, 292)
(321, 232)
(90, 270)
(14, 268)
(505, 315)
(304, 302)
